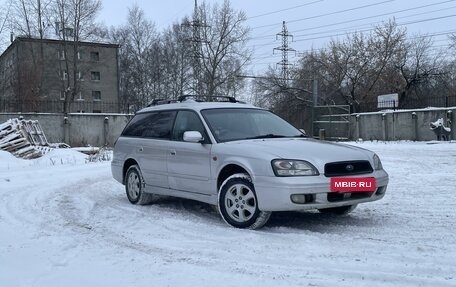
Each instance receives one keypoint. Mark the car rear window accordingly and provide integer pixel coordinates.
(151, 125)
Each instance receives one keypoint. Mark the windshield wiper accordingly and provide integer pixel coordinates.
(267, 136)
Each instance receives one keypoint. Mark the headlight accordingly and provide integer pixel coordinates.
(377, 163)
(289, 167)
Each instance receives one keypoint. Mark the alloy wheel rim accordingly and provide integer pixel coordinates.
(133, 185)
(240, 203)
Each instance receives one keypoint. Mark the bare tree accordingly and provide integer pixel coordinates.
(31, 17)
(4, 17)
(358, 68)
(76, 20)
(176, 61)
(138, 58)
(223, 52)
(419, 69)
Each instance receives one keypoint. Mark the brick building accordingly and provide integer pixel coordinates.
(56, 76)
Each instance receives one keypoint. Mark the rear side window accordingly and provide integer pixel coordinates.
(151, 125)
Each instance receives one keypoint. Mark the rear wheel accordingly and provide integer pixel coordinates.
(134, 187)
(341, 210)
(238, 204)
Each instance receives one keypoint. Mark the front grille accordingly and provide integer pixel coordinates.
(343, 168)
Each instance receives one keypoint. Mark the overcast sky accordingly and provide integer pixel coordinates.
(312, 22)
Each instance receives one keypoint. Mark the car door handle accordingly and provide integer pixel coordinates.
(173, 152)
(140, 149)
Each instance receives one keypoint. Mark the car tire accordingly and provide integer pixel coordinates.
(238, 205)
(341, 210)
(134, 187)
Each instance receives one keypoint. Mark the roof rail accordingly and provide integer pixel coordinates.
(156, 102)
(196, 98)
(209, 98)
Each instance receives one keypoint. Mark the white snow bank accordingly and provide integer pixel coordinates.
(54, 157)
(8, 160)
(72, 225)
(61, 156)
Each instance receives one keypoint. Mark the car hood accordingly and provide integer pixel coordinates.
(315, 151)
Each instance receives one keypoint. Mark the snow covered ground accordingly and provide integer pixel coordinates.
(65, 222)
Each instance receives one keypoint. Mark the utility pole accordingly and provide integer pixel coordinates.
(197, 48)
(285, 49)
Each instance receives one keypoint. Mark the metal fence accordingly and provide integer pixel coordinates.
(437, 102)
(16, 106)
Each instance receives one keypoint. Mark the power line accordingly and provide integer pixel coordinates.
(371, 29)
(380, 15)
(286, 9)
(442, 33)
(327, 14)
(370, 17)
(363, 25)
(264, 45)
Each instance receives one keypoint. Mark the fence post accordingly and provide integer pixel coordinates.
(415, 124)
(449, 115)
(66, 130)
(384, 125)
(105, 131)
(358, 130)
(322, 134)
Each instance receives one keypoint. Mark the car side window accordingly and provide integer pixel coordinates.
(151, 125)
(188, 121)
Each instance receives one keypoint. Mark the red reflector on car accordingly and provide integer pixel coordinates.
(344, 184)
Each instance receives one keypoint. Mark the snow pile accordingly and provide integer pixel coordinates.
(439, 124)
(7, 160)
(72, 225)
(60, 157)
(54, 157)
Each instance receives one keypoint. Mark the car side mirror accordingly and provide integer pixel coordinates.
(193, 137)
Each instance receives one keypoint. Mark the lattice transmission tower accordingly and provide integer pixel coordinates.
(196, 26)
(285, 49)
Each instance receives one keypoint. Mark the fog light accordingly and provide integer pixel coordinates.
(302, 198)
(381, 190)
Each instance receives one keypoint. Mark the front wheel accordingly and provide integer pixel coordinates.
(238, 204)
(341, 210)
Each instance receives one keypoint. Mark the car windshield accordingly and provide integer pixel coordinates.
(241, 124)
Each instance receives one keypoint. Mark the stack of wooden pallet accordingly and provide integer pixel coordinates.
(23, 138)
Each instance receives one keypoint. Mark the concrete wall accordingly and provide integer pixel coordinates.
(401, 125)
(77, 129)
(104, 129)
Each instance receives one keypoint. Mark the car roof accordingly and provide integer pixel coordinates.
(197, 106)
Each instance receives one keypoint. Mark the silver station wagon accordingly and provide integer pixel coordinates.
(245, 160)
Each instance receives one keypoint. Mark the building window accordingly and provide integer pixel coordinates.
(79, 55)
(68, 32)
(79, 97)
(95, 56)
(80, 76)
(62, 54)
(96, 95)
(95, 76)
(64, 75)
(62, 95)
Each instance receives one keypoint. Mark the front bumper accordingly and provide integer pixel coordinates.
(274, 193)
